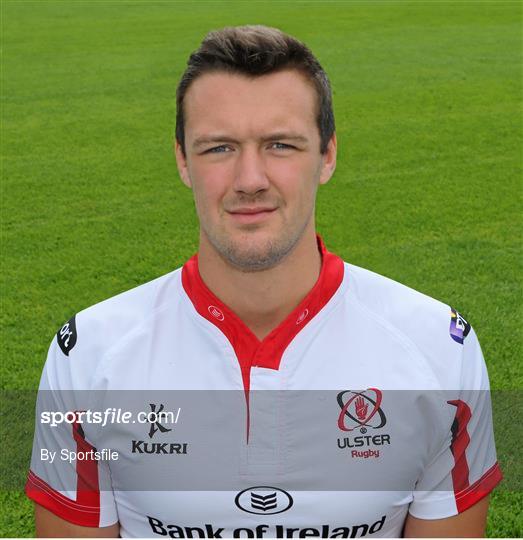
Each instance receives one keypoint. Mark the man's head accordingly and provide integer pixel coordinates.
(254, 51)
(254, 139)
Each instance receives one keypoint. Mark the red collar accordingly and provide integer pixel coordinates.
(249, 350)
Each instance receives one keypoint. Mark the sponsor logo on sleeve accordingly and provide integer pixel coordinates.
(459, 327)
(66, 336)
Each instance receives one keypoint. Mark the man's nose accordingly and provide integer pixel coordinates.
(250, 174)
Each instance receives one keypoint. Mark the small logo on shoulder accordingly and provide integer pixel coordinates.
(66, 336)
(459, 327)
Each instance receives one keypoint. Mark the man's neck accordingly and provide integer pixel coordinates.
(262, 300)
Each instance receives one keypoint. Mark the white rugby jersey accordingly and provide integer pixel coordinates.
(369, 401)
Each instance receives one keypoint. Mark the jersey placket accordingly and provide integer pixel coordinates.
(263, 354)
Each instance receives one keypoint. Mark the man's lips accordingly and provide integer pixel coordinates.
(251, 215)
(255, 210)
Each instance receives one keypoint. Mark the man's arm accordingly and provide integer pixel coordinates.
(66, 376)
(469, 524)
(48, 525)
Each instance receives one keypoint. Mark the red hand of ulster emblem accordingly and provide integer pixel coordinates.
(361, 408)
(356, 410)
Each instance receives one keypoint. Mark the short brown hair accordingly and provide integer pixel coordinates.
(253, 51)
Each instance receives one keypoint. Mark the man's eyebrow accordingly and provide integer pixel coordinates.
(278, 136)
(201, 141)
(285, 136)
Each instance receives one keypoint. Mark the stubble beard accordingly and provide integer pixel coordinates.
(252, 255)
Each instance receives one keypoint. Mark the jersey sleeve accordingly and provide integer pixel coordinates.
(65, 476)
(465, 468)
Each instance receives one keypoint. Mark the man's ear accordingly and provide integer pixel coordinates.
(329, 160)
(181, 162)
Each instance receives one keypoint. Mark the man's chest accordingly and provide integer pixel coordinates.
(283, 463)
(321, 446)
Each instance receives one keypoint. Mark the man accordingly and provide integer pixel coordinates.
(319, 444)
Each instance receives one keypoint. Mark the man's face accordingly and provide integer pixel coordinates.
(253, 162)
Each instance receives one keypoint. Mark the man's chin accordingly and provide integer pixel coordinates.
(253, 260)
(253, 251)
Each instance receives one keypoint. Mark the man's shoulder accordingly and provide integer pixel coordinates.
(390, 298)
(138, 301)
(433, 328)
(101, 326)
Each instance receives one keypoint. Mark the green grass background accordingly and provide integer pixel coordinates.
(427, 190)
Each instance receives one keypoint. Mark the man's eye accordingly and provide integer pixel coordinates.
(280, 146)
(217, 149)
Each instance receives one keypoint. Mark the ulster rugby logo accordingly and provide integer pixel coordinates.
(360, 410)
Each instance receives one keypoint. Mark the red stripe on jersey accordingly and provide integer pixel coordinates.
(479, 489)
(43, 494)
(87, 486)
(85, 510)
(459, 444)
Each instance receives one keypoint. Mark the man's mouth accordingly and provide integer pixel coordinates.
(251, 210)
(251, 214)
